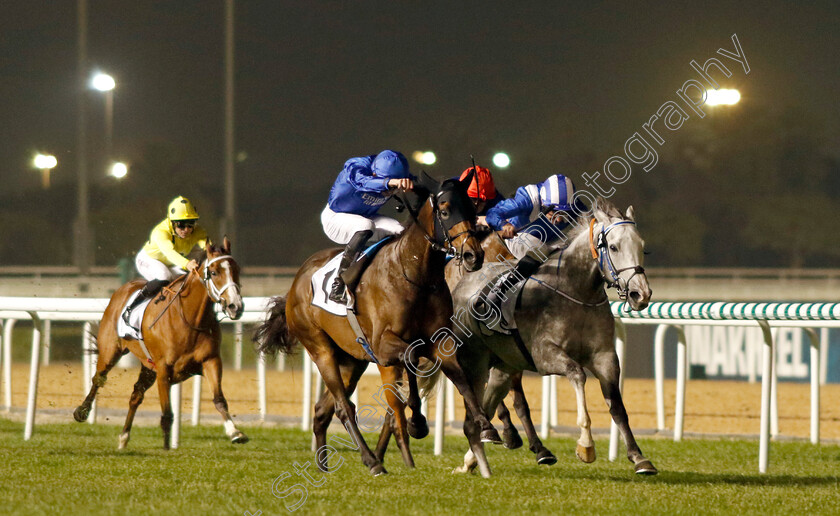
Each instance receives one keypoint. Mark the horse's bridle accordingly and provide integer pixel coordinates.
(214, 292)
(446, 246)
(601, 252)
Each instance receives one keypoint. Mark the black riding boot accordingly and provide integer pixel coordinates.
(147, 292)
(351, 252)
(524, 268)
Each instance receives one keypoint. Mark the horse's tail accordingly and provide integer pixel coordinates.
(273, 334)
(92, 334)
(428, 384)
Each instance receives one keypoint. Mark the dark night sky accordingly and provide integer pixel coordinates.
(318, 82)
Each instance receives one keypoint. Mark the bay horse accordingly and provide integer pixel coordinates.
(181, 335)
(565, 323)
(402, 302)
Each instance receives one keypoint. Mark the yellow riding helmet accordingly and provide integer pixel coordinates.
(181, 209)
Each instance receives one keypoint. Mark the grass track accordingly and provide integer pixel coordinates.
(76, 469)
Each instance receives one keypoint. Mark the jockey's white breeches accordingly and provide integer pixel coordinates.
(340, 227)
(152, 269)
(525, 243)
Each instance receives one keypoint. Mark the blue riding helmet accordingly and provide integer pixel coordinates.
(556, 193)
(390, 164)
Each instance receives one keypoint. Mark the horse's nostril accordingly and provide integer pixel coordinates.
(469, 257)
(635, 296)
(232, 306)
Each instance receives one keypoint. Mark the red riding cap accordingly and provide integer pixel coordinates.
(482, 186)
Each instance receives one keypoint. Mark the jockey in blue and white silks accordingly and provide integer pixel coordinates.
(350, 217)
(521, 214)
(527, 233)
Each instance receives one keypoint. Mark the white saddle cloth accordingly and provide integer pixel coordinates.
(132, 330)
(322, 281)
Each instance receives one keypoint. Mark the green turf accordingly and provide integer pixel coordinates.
(76, 469)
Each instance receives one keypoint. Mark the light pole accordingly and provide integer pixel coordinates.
(106, 84)
(81, 232)
(45, 163)
(229, 222)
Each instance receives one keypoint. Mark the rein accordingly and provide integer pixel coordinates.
(214, 293)
(171, 300)
(567, 296)
(446, 247)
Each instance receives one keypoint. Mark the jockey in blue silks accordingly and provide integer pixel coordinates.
(350, 217)
(521, 214)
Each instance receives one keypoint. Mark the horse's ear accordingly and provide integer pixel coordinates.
(226, 245)
(630, 214)
(599, 213)
(208, 246)
(429, 183)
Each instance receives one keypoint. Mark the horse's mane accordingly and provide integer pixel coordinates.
(201, 256)
(412, 200)
(582, 221)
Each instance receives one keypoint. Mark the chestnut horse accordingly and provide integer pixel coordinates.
(182, 337)
(402, 301)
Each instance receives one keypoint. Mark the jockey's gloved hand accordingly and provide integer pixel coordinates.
(507, 231)
(404, 184)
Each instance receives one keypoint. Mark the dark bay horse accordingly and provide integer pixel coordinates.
(402, 302)
(180, 333)
(495, 250)
(565, 323)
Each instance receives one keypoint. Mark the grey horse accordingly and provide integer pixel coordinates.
(564, 325)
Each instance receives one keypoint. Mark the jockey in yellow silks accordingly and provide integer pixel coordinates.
(164, 256)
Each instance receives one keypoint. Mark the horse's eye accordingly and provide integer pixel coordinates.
(444, 214)
(213, 273)
(613, 248)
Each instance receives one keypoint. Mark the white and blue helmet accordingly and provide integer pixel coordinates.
(556, 193)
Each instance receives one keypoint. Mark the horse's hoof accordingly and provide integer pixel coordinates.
(490, 436)
(419, 430)
(239, 438)
(377, 470)
(123, 440)
(546, 458)
(512, 438)
(645, 468)
(81, 413)
(460, 470)
(585, 454)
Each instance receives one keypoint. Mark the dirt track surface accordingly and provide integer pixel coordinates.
(712, 407)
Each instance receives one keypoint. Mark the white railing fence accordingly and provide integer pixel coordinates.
(767, 316)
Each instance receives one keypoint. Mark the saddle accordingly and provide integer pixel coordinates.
(503, 323)
(354, 272)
